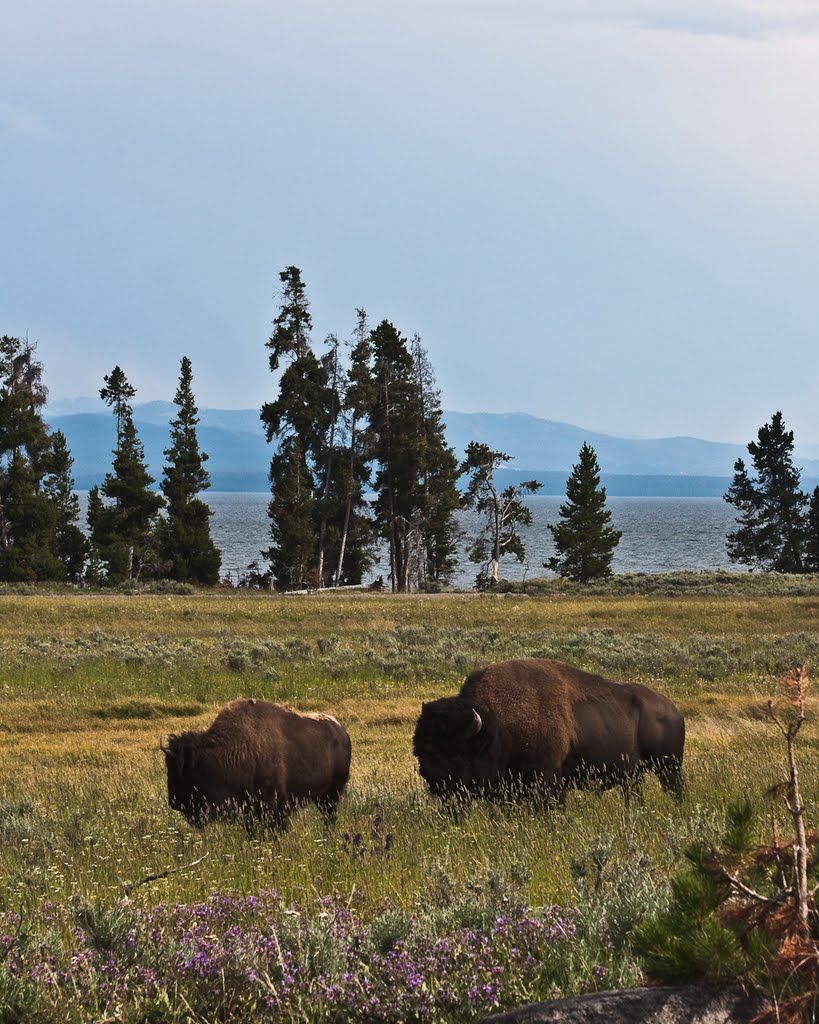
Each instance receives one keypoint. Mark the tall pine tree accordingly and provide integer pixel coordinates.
(124, 532)
(811, 560)
(187, 549)
(771, 525)
(503, 511)
(298, 421)
(439, 476)
(584, 540)
(398, 439)
(70, 544)
(117, 392)
(27, 515)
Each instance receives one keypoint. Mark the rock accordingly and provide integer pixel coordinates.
(679, 1004)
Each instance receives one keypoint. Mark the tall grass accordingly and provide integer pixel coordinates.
(83, 812)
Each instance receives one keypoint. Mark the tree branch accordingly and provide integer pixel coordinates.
(129, 887)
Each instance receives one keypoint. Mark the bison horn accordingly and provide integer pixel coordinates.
(163, 748)
(475, 725)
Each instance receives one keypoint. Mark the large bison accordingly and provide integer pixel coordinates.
(538, 723)
(258, 759)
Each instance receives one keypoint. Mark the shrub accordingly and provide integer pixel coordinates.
(744, 911)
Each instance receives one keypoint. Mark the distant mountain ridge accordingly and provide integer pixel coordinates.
(550, 445)
(541, 449)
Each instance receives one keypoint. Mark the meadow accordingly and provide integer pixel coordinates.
(399, 911)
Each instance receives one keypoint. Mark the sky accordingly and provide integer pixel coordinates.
(604, 212)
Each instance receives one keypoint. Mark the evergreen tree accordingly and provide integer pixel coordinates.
(584, 540)
(70, 544)
(186, 545)
(27, 518)
(771, 523)
(298, 420)
(124, 535)
(503, 511)
(811, 562)
(292, 554)
(118, 393)
(32, 518)
(398, 439)
(439, 476)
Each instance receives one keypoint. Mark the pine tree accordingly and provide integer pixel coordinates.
(27, 518)
(124, 535)
(439, 476)
(398, 439)
(70, 544)
(29, 555)
(584, 540)
(771, 523)
(186, 545)
(118, 394)
(298, 420)
(811, 562)
(503, 511)
(292, 554)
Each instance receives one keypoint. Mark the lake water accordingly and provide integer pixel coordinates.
(659, 534)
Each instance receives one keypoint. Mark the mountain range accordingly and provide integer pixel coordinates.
(541, 449)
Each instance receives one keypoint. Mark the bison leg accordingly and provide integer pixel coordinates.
(669, 772)
(266, 813)
(328, 805)
(632, 786)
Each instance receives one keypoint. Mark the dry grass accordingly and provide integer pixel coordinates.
(90, 682)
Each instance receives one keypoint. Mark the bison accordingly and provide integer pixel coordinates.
(539, 724)
(258, 759)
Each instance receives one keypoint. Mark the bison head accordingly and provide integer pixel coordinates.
(453, 744)
(189, 788)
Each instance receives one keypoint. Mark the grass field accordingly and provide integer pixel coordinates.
(90, 682)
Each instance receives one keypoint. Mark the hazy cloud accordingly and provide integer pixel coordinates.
(753, 19)
(24, 123)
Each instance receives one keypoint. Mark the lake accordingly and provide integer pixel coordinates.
(659, 534)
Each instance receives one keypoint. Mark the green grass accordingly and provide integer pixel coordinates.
(89, 683)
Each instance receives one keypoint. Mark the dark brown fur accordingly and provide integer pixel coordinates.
(258, 758)
(547, 724)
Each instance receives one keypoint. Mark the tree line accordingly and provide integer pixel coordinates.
(127, 538)
(359, 462)
(365, 417)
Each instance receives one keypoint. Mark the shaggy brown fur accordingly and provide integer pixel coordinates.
(260, 758)
(549, 724)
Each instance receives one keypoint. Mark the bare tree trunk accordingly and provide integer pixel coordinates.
(328, 470)
(800, 848)
(496, 540)
(395, 560)
(349, 506)
(5, 531)
(796, 683)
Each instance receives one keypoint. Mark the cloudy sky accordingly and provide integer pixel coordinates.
(598, 211)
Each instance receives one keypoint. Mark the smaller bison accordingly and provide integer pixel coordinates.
(258, 759)
(541, 724)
